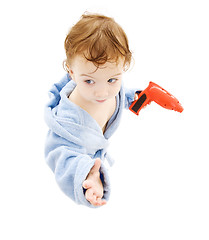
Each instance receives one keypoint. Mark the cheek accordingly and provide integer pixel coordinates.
(84, 91)
(116, 89)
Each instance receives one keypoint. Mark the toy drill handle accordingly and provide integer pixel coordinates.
(141, 102)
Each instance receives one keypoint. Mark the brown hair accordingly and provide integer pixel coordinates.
(99, 39)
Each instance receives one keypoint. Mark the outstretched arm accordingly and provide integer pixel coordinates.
(72, 168)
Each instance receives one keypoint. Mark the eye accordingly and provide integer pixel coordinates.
(90, 82)
(112, 80)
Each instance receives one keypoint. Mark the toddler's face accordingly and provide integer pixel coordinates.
(96, 85)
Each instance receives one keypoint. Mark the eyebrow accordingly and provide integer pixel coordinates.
(117, 74)
(86, 75)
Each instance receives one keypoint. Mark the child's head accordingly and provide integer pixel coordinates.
(95, 84)
(99, 39)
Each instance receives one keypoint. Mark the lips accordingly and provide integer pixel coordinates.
(101, 101)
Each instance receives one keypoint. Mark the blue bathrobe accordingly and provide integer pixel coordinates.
(75, 140)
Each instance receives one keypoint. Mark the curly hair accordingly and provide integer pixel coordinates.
(99, 39)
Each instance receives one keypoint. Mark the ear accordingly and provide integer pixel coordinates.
(71, 73)
(70, 70)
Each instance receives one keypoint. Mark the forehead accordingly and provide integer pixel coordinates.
(82, 66)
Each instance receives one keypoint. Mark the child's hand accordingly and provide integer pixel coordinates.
(136, 96)
(93, 184)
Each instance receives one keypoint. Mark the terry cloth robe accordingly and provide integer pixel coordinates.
(75, 140)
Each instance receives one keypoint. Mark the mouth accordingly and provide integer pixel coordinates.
(101, 101)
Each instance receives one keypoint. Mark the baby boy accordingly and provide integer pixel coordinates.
(85, 108)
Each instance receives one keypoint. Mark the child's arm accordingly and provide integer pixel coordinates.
(72, 167)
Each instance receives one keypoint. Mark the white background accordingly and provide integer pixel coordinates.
(160, 182)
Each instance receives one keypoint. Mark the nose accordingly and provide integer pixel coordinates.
(101, 93)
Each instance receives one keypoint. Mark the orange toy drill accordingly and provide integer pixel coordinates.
(157, 94)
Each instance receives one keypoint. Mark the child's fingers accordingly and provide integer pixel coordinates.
(136, 96)
(101, 202)
(93, 199)
(87, 184)
(90, 196)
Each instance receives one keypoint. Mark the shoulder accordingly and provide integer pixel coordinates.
(66, 109)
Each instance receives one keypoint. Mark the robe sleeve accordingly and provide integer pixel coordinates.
(71, 166)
